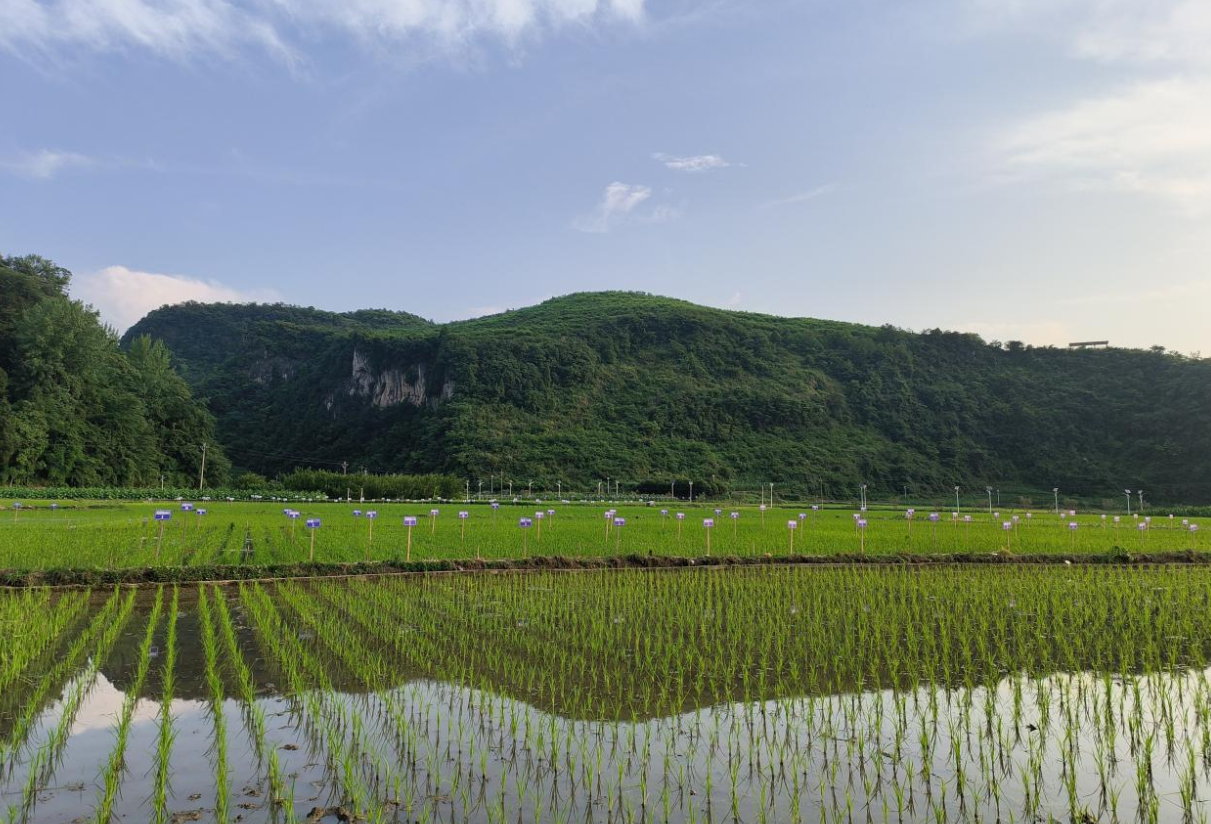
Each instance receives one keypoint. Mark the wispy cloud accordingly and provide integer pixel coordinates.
(693, 163)
(663, 213)
(617, 202)
(183, 30)
(733, 301)
(1149, 136)
(45, 163)
(123, 295)
(180, 30)
(1152, 138)
(1112, 31)
(1190, 292)
(802, 197)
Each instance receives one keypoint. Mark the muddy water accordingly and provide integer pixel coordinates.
(1077, 746)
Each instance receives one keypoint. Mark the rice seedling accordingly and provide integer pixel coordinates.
(116, 764)
(744, 694)
(167, 732)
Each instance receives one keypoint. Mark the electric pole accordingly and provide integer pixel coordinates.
(202, 473)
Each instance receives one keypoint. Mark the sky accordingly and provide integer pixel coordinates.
(1035, 170)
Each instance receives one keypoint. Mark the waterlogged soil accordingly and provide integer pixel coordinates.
(409, 725)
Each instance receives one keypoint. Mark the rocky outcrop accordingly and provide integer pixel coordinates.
(393, 386)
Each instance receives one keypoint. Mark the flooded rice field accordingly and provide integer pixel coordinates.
(756, 695)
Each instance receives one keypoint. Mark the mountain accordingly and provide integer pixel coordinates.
(644, 388)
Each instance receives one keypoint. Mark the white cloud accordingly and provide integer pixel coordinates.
(179, 29)
(1157, 31)
(45, 163)
(1152, 138)
(802, 197)
(185, 29)
(734, 300)
(695, 163)
(123, 296)
(618, 201)
(663, 213)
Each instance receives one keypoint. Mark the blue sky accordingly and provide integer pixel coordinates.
(1026, 169)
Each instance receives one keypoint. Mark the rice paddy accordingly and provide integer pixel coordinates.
(741, 695)
(42, 535)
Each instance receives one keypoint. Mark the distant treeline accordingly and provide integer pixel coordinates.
(338, 485)
(39, 496)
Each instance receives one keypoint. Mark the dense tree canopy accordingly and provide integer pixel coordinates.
(648, 389)
(75, 410)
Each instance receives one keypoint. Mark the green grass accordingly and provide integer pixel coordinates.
(108, 536)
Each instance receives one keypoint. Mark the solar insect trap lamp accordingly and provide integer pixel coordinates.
(524, 525)
(409, 522)
(163, 516)
(313, 524)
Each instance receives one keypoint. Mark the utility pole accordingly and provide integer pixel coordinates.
(202, 473)
(344, 467)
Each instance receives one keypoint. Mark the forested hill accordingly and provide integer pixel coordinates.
(75, 409)
(631, 386)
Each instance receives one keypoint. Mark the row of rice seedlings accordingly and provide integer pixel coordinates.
(755, 695)
(23, 641)
(115, 766)
(215, 698)
(962, 665)
(344, 640)
(427, 776)
(97, 638)
(314, 701)
(167, 733)
(281, 794)
(46, 756)
(428, 749)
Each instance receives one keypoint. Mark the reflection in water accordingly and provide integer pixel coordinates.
(768, 695)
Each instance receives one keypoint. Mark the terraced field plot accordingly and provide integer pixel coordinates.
(772, 694)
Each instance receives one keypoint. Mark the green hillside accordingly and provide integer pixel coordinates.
(75, 410)
(632, 386)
